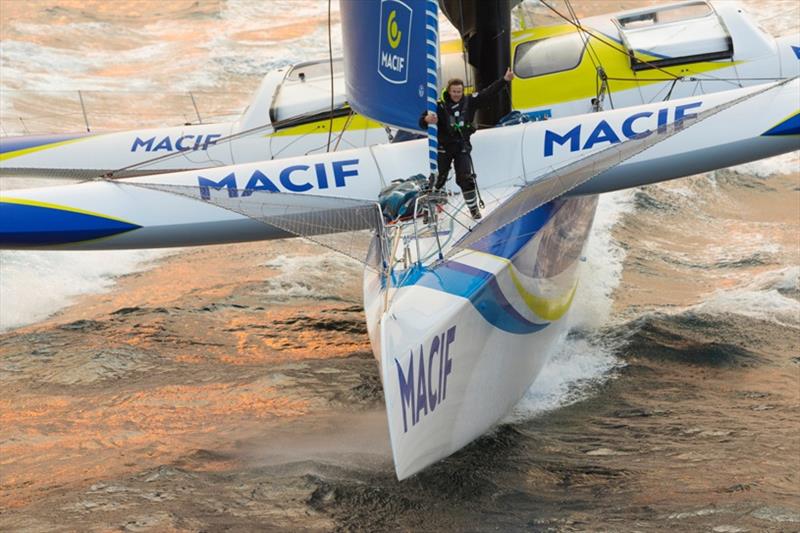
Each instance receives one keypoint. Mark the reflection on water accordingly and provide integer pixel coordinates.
(234, 387)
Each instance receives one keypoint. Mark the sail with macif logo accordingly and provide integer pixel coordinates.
(402, 79)
(388, 84)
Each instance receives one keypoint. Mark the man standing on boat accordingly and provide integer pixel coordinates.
(455, 113)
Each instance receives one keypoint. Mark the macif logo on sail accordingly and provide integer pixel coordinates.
(395, 41)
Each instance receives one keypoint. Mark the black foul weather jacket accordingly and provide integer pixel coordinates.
(456, 119)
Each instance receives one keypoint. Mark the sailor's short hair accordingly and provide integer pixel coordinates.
(454, 81)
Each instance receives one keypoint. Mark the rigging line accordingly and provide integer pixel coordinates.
(702, 116)
(453, 216)
(583, 35)
(671, 88)
(288, 145)
(700, 78)
(165, 157)
(330, 61)
(593, 57)
(344, 128)
(375, 160)
(610, 98)
(605, 41)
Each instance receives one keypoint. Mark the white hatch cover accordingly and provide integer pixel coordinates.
(306, 90)
(673, 35)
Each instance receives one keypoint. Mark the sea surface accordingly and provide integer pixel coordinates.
(233, 387)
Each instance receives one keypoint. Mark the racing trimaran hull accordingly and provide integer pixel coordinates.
(458, 340)
(128, 213)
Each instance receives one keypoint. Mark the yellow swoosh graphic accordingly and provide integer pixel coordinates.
(546, 308)
(25, 151)
(34, 203)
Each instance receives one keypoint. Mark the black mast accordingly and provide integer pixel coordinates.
(485, 28)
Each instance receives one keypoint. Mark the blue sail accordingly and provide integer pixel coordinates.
(391, 61)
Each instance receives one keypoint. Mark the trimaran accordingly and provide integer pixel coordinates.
(609, 61)
(461, 315)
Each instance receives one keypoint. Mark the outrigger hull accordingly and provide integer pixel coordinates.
(131, 213)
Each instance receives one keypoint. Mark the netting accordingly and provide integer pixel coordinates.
(566, 178)
(344, 225)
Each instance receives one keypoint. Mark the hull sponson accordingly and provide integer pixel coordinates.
(454, 357)
(637, 172)
(503, 157)
(51, 225)
(12, 147)
(789, 126)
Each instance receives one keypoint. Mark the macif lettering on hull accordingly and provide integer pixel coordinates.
(293, 178)
(603, 132)
(423, 384)
(184, 143)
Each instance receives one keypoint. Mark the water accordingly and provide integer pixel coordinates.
(245, 394)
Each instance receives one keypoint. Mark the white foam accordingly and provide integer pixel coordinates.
(760, 298)
(602, 270)
(309, 276)
(780, 164)
(581, 361)
(578, 365)
(34, 285)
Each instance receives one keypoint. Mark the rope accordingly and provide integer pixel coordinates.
(637, 145)
(330, 62)
(603, 40)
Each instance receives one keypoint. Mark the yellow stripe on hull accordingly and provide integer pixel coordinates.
(33, 149)
(46, 205)
(356, 123)
(550, 309)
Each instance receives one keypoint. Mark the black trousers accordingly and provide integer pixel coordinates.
(459, 157)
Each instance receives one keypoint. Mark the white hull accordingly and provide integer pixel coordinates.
(459, 342)
(288, 114)
(124, 214)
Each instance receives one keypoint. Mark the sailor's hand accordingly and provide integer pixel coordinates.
(509, 75)
(431, 118)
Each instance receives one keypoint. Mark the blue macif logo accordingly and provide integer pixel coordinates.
(294, 179)
(394, 41)
(420, 393)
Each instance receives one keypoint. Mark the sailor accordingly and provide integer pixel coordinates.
(455, 113)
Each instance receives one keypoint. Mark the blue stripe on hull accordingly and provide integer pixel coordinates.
(493, 305)
(481, 287)
(14, 144)
(790, 126)
(482, 290)
(27, 225)
(508, 240)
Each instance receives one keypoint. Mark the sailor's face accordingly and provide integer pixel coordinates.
(456, 92)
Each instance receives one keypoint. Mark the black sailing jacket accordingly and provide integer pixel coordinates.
(456, 119)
